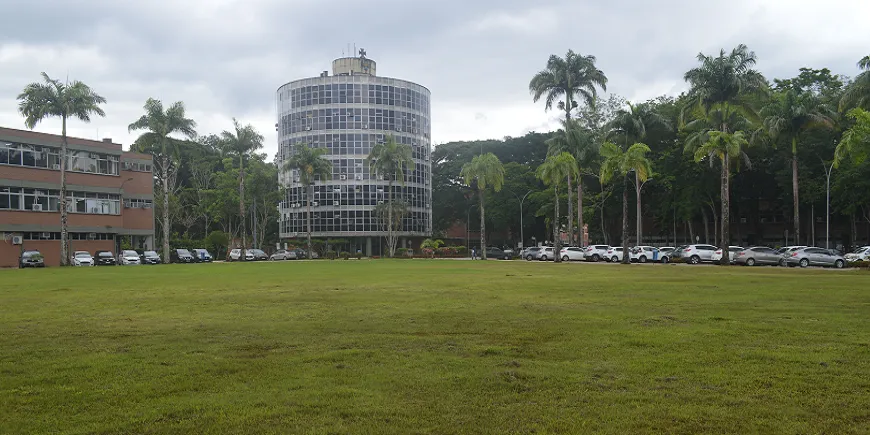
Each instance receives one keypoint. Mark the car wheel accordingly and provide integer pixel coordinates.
(666, 260)
(805, 262)
(565, 258)
(528, 258)
(839, 264)
(782, 262)
(507, 257)
(642, 259)
(614, 259)
(543, 258)
(750, 262)
(695, 259)
(596, 258)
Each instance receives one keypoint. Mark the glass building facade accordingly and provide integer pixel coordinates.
(347, 114)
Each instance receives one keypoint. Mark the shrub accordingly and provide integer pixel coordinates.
(359, 255)
(858, 264)
(461, 250)
(677, 260)
(402, 252)
(429, 252)
(345, 255)
(330, 254)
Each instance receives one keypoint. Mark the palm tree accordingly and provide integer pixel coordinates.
(243, 142)
(787, 116)
(309, 163)
(52, 98)
(161, 125)
(390, 159)
(484, 170)
(552, 172)
(720, 88)
(632, 125)
(621, 163)
(857, 94)
(856, 140)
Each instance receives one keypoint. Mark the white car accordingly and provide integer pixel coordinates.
(732, 253)
(665, 254)
(128, 258)
(82, 258)
(547, 253)
(572, 253)
(642, 254)
(614, 254)
(860, 254)
(236, 254)
(596, 252)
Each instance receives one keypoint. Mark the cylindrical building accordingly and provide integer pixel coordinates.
(347, 113)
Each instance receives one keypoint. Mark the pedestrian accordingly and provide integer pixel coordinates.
(473, 254)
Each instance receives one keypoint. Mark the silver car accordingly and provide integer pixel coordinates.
(282, 254)
(694, 254)
(816, 257)
(786, 251)
(531, 253)
(758, 255)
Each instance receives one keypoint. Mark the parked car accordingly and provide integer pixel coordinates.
(105, 258)
(547, 253)
(181, 256)
(695, 254)
(786, 252)
(732, 252)
(614, 254)
(282, 254)
(816, 257)
(149, 257)
(301, 253)
(665, 254)
(596, 253)
(572, 253)
(860, 254)
(202, 256)
(757, 255)
(498, 253)
(31, 259)
(128, 257)
(258, 254)
(82, 258)
(531, 253)
(642, 254)
(236, 255)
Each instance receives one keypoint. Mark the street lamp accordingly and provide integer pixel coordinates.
(523, 239)
(828, 171)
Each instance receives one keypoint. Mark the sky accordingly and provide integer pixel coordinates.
(226, 58)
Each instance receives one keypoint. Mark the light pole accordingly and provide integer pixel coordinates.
(638, 187)
(522, 239)
(828, 171)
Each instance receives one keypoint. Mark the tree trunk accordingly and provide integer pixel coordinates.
(557, 246)
(242, 207)
(706, 225)
(310, 189)
(639, 213)
(726, 204)
(813, 226)
(482, 227)
(391, 246)
(691, 240)
(581, 240)
(570, 213)
(166, 224)
(64, 231)
(626, 257)
(603, 229)
(794, 190)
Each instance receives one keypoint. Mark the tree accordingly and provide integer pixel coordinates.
(552, 172)
(577, 141)
(310, 164)
(390, 159)
(243, 142)
(856, 140)
(621, 163)
(787, 117)
(858, 92)
(52, 98)
(432, 244)
(632, 124)
(158, 140)
(483, 171)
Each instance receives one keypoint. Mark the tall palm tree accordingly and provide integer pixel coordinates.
(621, 163)
(631, 125)
(483, 171)
(856, 140)
(857, 94)
(787, 117)
(242, 142)
(161, 125)
(49, 99)
(570, 139)
(552, 172)
(724, 85)
(390, 159)
(310, 164)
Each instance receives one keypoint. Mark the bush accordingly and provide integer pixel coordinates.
(429, 252)
(858, 264)
(330, 254)
(359, 255)
(461, 250)
(402, 252)
(677, 260)
(345, 255)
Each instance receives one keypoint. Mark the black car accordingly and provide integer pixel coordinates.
(497, 253)
(181, 256)
(31, 259)
(148, 257)
(202, 256)
(104, 258)
(258, 254)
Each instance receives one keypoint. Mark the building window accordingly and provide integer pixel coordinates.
(93, 203)
(18, 198)
(137, 167)
(138, 203)
(35, 156)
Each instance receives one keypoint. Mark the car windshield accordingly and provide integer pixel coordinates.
(861, 250)
(105, 254)
(183, 252)
(150, 254)
(29, 253)
(82, 255)
(130, 254)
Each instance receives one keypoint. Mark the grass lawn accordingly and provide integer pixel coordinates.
(434, 347)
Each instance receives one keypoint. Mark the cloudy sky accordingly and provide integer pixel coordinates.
(226, 58)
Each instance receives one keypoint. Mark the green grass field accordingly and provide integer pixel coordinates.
(434, 347)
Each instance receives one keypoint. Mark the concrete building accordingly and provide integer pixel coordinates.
(110, 196)
(347, 113)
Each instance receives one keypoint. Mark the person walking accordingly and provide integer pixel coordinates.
(473, 254)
